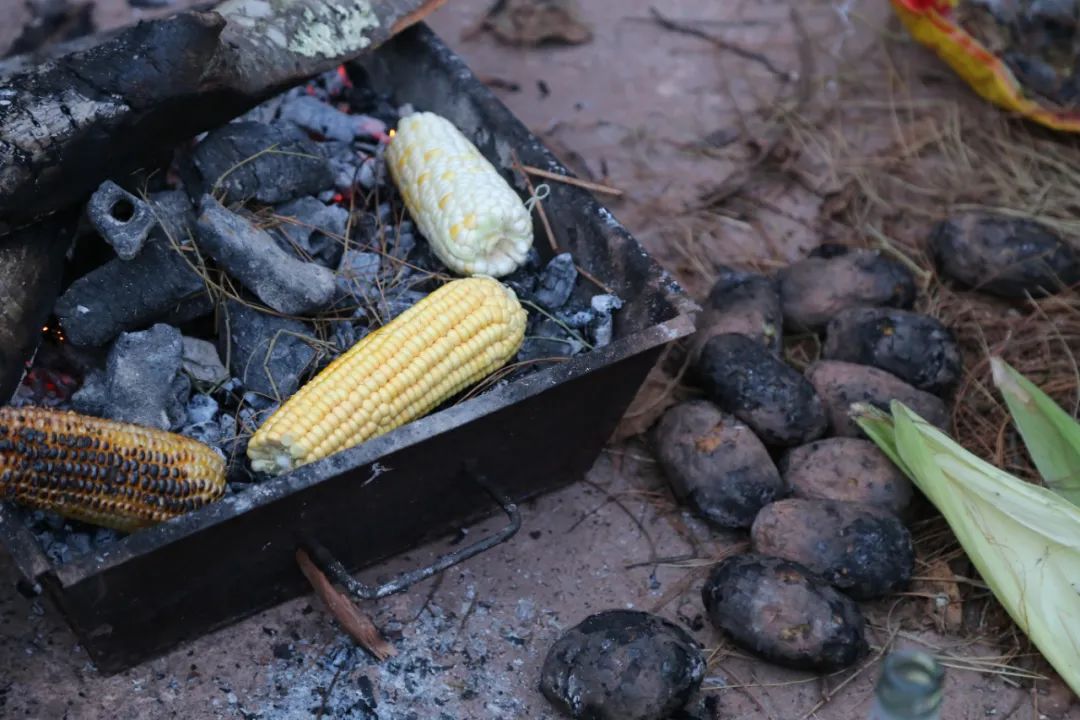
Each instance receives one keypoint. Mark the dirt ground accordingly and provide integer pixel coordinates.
(668, 119)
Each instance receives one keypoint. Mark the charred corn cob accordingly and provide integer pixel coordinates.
(101, 471)
(475, 222)
(451, 339)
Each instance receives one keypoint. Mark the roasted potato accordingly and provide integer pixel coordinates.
(746, 380)
(622, 665)
(743, 303)
(842, 384)
(847, 469)
(861, 549)
(1004, 256)
(715, 464)
(836, 278)
(785, 613)
(916, 348)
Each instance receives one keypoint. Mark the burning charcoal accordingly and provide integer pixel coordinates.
(783, 612)
(143, 380)
(201, 408)
(548, 340)
(746, 379)
(344, 335)
(90, 398)
(622, 665)
(123, 220)
(743, 303)
(916, 348)
(557, 282)
(260, 162)
(1004, 256)
(208, 433)
(861, 549)
(129, 294)
(202, 363)
(842, 384)
(323, 119)
(602, 326)
(847, 469)
(815, 289)
(357, 274)
(715, 464)
(312, 231)
(249, 254)
(267, 352)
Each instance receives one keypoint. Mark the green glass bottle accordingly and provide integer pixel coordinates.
(911, 687)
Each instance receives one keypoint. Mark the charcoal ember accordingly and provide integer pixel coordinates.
(743, 303)
(143, 381)
(284, 283)
(1004, 256)
(816, 288)
(715, 464)
(320, 118)
(841, 384)
(916, 348)
(556, 282)
(548, 339)
(266, 352)
(201, 408)
(861, 549)
(745, 378)
(89, 399)
(345, 335)
(252, 161)
(130, 294)
(202, 362)
(316, 230)
(122, 219)
(785, 613)
(846, 469)
(357, 274)
(602, 325)
(208, 433)
(622, 665)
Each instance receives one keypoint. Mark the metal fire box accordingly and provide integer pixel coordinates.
(160, 587)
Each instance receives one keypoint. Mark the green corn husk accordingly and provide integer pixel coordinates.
(1051, 435)
(1023, 539)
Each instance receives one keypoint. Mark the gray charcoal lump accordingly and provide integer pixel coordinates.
(557, 282)
(785, 613)
(746, 379)
(743, 303)
(813, 290)
(622, 665)
(847, 469)
(253, 161)
(249, 254)
(313, 231)
(267, 353)
(1004, 256)
(143, 381)
(130, 294)
(916, 348)
(860, 549)
(841, 384)
(202, 362)
(715, 464)
(122, 219)
(324, 119)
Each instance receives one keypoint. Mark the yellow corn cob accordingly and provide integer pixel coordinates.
(449, 340)
(473, 219)
(101, 471)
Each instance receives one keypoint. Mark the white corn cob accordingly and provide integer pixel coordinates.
(473, 219)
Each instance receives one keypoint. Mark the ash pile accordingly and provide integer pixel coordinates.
(202, 296)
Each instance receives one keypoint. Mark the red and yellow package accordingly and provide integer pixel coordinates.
(933, 24)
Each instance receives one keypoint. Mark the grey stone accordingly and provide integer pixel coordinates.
(252, 161)
(267, 352)
(316, 232)
(323, 119)
(143, 380)
(202, 363)
(126, 295)
(288, 285)
(557, 282)
(122, 219)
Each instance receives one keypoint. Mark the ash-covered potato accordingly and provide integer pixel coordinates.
(773, 398)
(744, 303)
(782, 611)
(813, 290)
(622, 665)
(842, 384)
(860, 549)
(715, 464)
(916, 348)
(846, 469)
(1004, 256)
